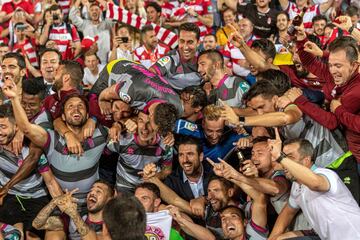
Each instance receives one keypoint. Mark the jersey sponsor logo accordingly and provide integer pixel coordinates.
(154, 233)
(244, 86)
(190, 126)
(124, 97)
(164, 60)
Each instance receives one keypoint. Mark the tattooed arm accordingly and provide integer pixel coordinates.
(70, 208)
(43, 221)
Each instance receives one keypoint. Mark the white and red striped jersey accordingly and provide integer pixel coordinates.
(65, 6)
(28, 48)
(147, 58)
(311, 12)
(63, 39)
(234, 55)
(201, 7)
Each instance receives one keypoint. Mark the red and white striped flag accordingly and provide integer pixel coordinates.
(116, 13)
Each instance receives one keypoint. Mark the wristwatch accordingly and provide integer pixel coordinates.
(241, 121)
(281, 157)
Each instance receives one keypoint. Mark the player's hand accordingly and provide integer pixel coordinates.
(73, 144)
(131, 126)
(89, 128)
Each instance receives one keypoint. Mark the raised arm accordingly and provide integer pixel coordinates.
(35, 133)
(302, 174)
(250, 55)
(325, 6)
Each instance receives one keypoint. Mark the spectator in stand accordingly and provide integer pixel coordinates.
(8, 10)
(281, 37)
(233, 56)
(93, 27)
(209, 42)
(294, 9)
(92, 69)
(134, 6)
(49, 63)
(151, 50)
(62, 33)
(40, 8)
(153, 13)
(122, 44)
(223, 34)
(4, 49)
(179, 66)
(318, 23)
(353, 13)
(198, 12)
(25, 44)
(260, 14)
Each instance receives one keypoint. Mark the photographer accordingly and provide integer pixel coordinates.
(25, 43)
(122, 47)
(64, 34)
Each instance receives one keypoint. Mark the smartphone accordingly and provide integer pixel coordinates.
(21, 27)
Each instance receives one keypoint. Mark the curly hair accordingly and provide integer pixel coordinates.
(165, 116)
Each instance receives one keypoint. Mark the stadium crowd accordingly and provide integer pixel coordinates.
(180, 119)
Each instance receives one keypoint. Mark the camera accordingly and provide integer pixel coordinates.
(55, 17)
(124, 39)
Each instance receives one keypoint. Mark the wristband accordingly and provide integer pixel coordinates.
(281, 157)
(351, 29)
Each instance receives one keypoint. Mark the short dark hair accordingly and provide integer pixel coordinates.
(226, 183)
(318, 18)
(146, 29)
(266, 46)
(190, 27)
(125, 218)
(214, 55)
(6, 111)
(110, 187)
(155, 5)
(348, 44)
(34, 86)
(211, 35)
(306, 149)
(45, 50)
(238, 211)
(19, 58)
(55, 7)
(165, 116)
(260, 139)
(352, 11)
(75, 71)
(199, 96)
(279, 79)
(77, 95)
(283, 13)
(186, 140)
(264, 88)
(151, 187)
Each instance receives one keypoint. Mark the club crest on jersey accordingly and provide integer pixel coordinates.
(269, 20)
(244, 86)
(154, 233)
(190, 126)
(164, 60)
(124, 97)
